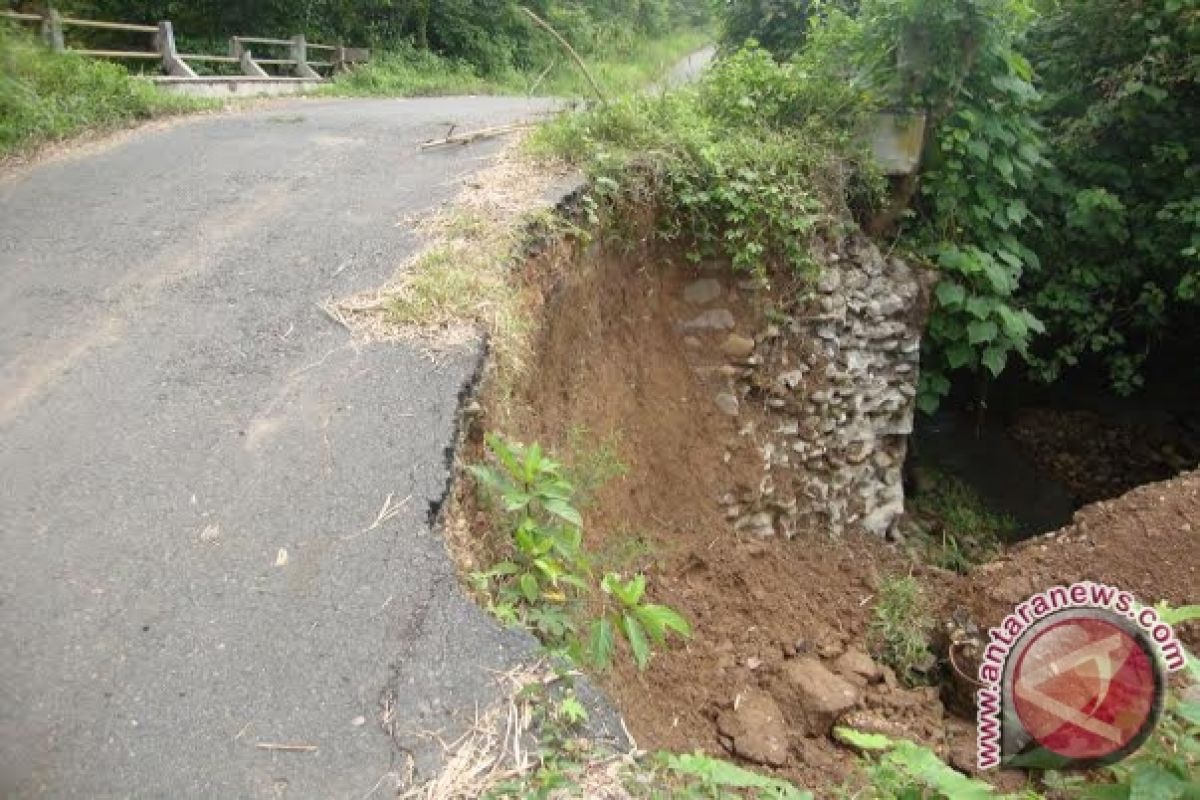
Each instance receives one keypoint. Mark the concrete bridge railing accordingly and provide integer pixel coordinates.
(294, 59)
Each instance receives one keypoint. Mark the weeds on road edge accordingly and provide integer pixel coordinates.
(547, 584)
(404, 71)
(46, 96)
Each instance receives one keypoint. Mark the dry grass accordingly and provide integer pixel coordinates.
(500, 749)
(467, 279)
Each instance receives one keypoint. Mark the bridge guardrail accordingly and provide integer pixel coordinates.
(174, 63)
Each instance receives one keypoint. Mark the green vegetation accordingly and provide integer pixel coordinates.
(1120, 239)
(956, 529)
(900, 629)
(547, 585)
(404, 70)
(903, 770)
(1058, 194)
(745, 165)
(45, 97)
(420, 48)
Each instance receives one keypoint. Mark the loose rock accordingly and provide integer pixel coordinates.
(716, 319)
(755, 728)
(856, 663)
(815, 696)
(702, 292)
(737, 346)
(727, 402)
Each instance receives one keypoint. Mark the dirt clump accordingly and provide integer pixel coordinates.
(755, 729)
(1147, 542)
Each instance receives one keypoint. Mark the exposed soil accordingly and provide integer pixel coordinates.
(612, 359)
(1097, 456)
(1146, 541)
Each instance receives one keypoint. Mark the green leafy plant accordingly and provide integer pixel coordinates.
(547, 584)
(549, 568)
(698, 776)
(900, 627)
(1122, 204)
(628, 616)
(902, 770)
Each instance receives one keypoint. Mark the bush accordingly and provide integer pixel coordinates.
(749, 165)
(405, 70)
(1121, 240)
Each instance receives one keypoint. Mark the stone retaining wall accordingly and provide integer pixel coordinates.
(826, 392)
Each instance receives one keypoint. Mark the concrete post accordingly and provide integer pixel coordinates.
(300, 55)
(245, 59)
(164, 41)
(52, 30)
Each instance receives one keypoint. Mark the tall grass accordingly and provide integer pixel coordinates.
(406, 71)
(46, 96)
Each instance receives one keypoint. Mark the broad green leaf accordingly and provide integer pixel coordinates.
(950, 294)
(925, 766)
(1174, 616)
(874, 742)
(601, 641)
(714, 771)
(994, 358)
(529, 587)
(635, 588)
(1189, 711)
(636, 636)
(958, 355)
(658, 620)
(1151, 782)
(505, 454)
(982, 330)
(1014, 323)
(981, 307)
(564, 511)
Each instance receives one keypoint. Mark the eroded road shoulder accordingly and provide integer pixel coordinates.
(214, 503)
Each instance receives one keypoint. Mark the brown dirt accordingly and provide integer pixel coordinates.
(1147, 541)
(610, 358)
(1096, 456)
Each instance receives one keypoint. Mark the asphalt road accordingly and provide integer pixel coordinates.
(178, 419)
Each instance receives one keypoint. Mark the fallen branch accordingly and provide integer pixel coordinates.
(287, 748)
(571, 51)
(473, 136)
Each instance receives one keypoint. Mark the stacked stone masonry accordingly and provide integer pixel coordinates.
(825, 392)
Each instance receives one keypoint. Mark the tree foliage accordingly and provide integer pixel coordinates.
(492, 35)
(1121, 209)
(1059, 193)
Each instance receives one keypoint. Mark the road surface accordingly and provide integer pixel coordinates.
(192, 456)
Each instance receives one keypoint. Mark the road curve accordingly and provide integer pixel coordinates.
(192, 458)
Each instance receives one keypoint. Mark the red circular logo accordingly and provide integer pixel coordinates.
(1087, 687)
